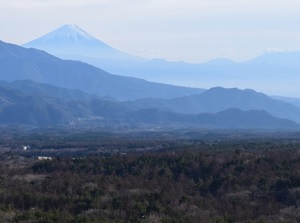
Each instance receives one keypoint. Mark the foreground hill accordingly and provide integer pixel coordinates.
(18, 63)
(38, 108)
(219, 99)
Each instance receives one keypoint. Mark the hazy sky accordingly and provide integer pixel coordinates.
(189, 30)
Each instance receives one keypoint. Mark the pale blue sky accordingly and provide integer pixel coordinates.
(190, 30)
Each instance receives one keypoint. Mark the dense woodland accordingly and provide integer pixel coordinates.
(182, 180)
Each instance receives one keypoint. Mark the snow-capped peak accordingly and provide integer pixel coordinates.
(72, 40)
(68, 32)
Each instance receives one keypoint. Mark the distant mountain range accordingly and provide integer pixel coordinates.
(276, 73)
(31, 103)
(261, 75)
(218, 99)
(293, 101)
(39, 89)
(18, 63)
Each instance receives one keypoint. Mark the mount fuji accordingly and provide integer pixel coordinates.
(275, 73)
(71, 42)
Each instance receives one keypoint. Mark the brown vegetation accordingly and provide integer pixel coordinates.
(191, 185)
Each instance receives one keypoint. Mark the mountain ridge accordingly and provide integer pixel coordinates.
(275, 73)
(38, 110)
(218, 99)
(18, 63)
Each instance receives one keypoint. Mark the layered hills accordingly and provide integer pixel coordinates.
(18, 63)
(31, 103)
(274, 72)
(218, 99)
(40, 89)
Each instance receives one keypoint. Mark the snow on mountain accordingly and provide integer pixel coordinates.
(70, 41)
(67, 33)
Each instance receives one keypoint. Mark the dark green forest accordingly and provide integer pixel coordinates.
(181, 180)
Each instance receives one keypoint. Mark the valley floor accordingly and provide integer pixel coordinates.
(164, 177)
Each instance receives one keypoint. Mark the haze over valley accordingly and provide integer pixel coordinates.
(149, 111)
(116, 88)
(272, 73)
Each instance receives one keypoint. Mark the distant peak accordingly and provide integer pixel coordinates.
(70, 41)
(66, 34)
(71, 27)
(71, 31)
